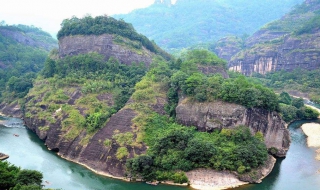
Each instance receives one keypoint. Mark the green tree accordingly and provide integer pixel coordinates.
(285, 98)
(29, 177)
(297, 102)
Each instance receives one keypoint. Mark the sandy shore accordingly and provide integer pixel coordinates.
(312, 130)
(206, 179)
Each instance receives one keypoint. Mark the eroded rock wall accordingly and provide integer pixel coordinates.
(104, 45)
(218, 115)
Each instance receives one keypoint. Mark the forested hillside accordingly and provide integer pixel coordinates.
(23, 50)
(190, 22)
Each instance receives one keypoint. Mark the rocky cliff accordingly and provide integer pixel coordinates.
(105, 45)
(12, 110)
(289, 43)
(78, 145)
(218, 115)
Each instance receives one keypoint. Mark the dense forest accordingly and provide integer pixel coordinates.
(19, 63)
(203, 21)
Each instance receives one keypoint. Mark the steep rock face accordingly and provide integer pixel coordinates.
(218, 115)
(102, 44)
(93, 154)
(12, 109)
(85, 148)
(284, 53)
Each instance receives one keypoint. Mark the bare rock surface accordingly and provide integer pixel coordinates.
(211, 116)
(104, 45)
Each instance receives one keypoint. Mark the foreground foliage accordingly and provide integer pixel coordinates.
(12, 177)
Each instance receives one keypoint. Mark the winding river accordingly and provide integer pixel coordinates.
(299, 170)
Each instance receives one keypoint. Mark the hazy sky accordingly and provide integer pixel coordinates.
(49, 14)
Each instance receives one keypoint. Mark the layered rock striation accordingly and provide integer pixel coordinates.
(105, 45)
(217, 115)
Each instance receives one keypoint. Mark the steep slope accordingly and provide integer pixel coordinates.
(190, 22)
(23, 50)
(289, 43)
(78, 104)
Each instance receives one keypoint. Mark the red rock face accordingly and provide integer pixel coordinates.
(104, 45)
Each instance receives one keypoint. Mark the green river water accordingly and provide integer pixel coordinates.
(299, 170)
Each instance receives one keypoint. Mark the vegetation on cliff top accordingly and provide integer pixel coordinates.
(107, 25)
(20, 63)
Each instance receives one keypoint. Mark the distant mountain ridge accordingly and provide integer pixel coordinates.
(189, 22)
(286, 44)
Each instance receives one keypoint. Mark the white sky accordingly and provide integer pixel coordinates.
(49, 14)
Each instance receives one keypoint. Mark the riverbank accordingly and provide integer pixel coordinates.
(312, 130)
(206, 179)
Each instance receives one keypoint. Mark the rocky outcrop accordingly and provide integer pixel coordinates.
(217, 115)
(3, 156)
(94, 154)
(104, 45)
(84, 148)
(12, 110)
